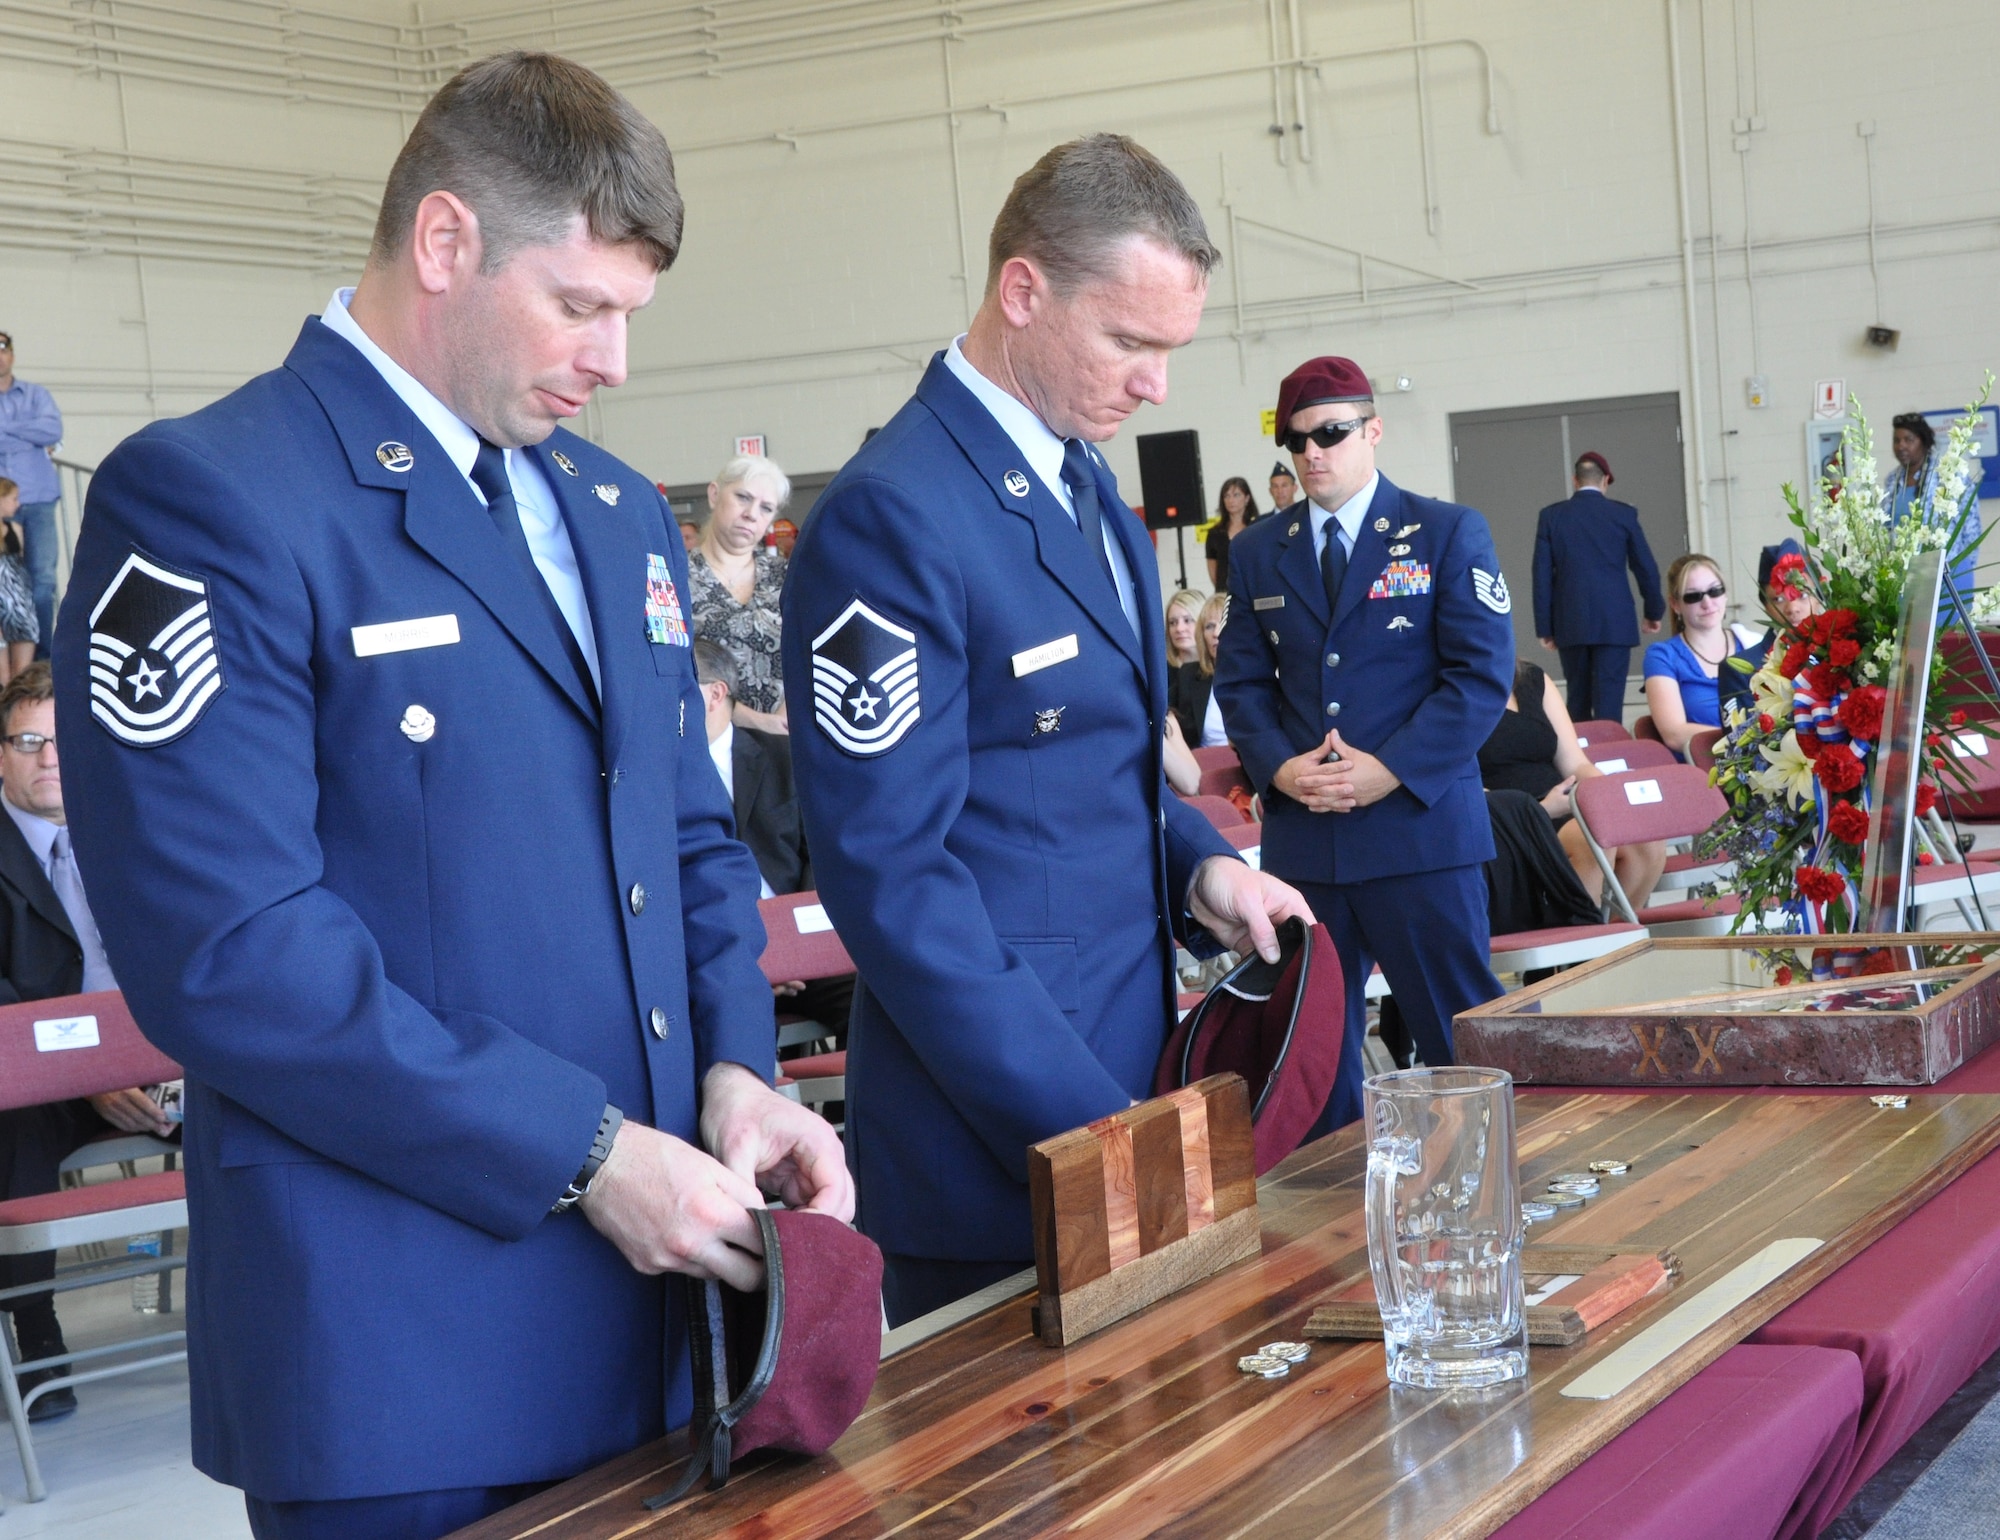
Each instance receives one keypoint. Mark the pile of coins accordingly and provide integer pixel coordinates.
(1274, 1360)
(1568, 1190)
(1892, 1102)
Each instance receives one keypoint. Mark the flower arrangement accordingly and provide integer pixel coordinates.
(1798, 769)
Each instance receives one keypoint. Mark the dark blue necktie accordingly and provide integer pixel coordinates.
(1081, 478)
(489, 474)
(1332, 566)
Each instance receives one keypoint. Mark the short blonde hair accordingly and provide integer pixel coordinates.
(756, 468)
(1218, 605)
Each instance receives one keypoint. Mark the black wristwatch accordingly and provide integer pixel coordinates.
(600, 1152)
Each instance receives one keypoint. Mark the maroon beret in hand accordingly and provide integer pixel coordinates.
(1592, 457)
(1278, 1025)
(1318, 381)
(791, 1366)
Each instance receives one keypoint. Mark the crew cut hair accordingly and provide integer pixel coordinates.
(1070, 211)
(528, 141)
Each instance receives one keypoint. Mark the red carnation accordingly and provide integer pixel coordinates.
(1843, 653)
(1926, 798)
(1847, 822)
(1764, 723)
(1881, 960)
(1957, 719)
(1810, 745)
(1838, 771)
(1784, 975)
(1819, 885)
(1836, 623)
(1826, 680)
(1925, 858)
(1795, 659)
(1861, 712)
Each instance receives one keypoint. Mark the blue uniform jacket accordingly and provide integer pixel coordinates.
(1582, 550)
(1008, 875)
(1419, 659)
(405, 976)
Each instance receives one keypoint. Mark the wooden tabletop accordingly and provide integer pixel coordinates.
(1149, 1429)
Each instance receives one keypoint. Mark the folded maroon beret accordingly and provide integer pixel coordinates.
(1278, 1025)
(791, 1366)
(1317, 381)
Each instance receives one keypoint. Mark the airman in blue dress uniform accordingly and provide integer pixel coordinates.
(1583, 605)
(383, 729)
(1368, 655)
(976, 671)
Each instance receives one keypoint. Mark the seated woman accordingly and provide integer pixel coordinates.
(1681, 672)
(1191, 692)
(1534, 750)
(1183, 626)
(1788, 602)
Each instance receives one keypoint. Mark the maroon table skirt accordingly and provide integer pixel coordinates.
(1751, 1448)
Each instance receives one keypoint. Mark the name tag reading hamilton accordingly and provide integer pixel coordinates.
(405, 635)
(1061, 650)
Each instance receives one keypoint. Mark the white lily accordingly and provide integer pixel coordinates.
(1789, 773)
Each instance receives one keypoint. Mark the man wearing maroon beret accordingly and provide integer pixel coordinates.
(1368, 655)
(1583, 605)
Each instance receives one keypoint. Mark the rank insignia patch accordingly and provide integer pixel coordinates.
(1490, 588)
(1402, 580)
(153, 664)
(865, 682)
(666, 626)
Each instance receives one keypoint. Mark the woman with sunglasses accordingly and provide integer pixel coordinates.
(1681, 672)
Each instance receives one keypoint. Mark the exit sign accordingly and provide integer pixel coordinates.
(750, 444)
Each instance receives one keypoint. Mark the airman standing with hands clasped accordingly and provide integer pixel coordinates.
(1368, 655)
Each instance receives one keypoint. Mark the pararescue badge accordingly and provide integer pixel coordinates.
(153, 664)
(865, 682)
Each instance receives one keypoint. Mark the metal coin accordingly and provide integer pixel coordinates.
(1895, 1102)
(1570, 1176)
(1291, 1352)
(1560, 1199)
(1611, 1167)
(1534, 1211)
(1265, 1365)
(1583, 1186)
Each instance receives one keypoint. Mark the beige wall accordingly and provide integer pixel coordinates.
(821, 272)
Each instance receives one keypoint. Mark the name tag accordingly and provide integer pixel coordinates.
(811, 919)
(1061, 650)
(405, 635)
(1639, 793)
(65, 1032)
(1966, 745)
(1275, 602)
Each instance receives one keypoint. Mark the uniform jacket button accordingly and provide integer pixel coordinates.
(1333, 708)
(1333, 660)
(659, 1023)
(637, 897)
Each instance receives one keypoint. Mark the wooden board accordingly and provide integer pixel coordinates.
(1148, 1429)
(1606, 1284)
(1141, 1204)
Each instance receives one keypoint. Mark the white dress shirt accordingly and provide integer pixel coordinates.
(541, 515)
(1347, 517)
(1043, 451)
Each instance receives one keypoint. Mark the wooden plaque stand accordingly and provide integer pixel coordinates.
(1140, 1204)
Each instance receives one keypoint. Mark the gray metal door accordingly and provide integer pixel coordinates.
(1512, 462)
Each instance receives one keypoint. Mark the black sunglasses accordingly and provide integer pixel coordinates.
(1326, 435)
(1696, 595)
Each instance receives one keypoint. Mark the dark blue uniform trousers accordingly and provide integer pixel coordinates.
(402, 1516)
(1596, 680)
(1429, 932)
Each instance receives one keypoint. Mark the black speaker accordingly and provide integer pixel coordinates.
(1170, 479)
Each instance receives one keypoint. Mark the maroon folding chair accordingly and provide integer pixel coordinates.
(56, 1051)
(1221, 772)
(1667, 802)
(1600, 730)
(801, 947)
(1976, 751)
(1644, 728)
(1220, 811)
(1630, 754)
(1701, 747)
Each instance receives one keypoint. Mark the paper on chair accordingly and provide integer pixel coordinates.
(1627, 1362)
(811, 918)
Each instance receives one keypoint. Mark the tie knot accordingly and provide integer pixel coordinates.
(489, 473)
(59, 851)
(1076, 470)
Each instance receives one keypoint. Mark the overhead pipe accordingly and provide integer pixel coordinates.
(1691, 317)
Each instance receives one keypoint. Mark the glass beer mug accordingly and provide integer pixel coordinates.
(1444, 1226)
